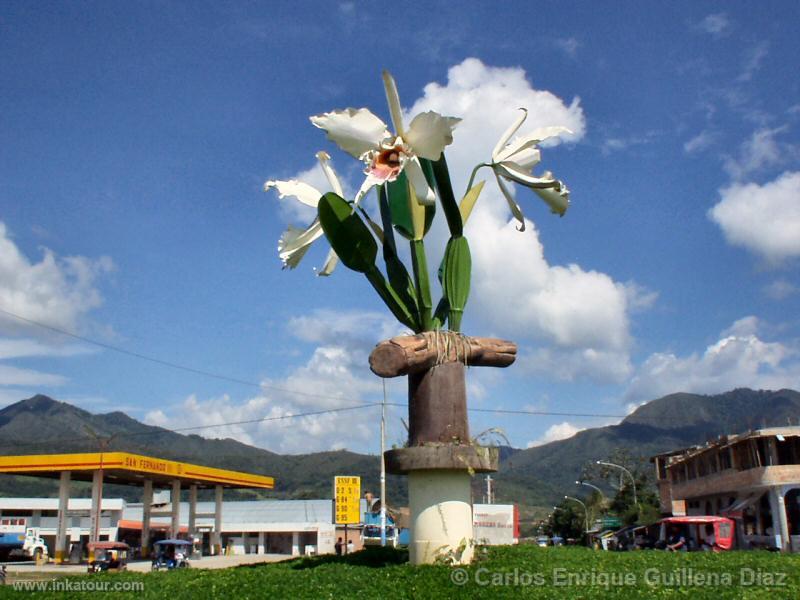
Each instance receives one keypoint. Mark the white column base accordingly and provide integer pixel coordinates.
(441, 516)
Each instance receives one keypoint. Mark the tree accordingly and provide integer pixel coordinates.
(622, 502)
(568, 520)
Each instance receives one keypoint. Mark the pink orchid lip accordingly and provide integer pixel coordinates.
(387, 163)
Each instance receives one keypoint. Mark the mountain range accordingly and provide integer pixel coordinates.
(537, 476)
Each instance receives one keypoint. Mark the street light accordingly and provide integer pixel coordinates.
(591, 486)
(585, 516)
(633, 480)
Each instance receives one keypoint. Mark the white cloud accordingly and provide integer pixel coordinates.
(335, 376)
(744, 327)
(780, 289)
(752, 62)
(515, 291)
(529, 298)
(58, 292)
(740, 358)
(560, 431)
(639, 297)
(12, 376)
(487, 99)
(569, 46)
(717, 25)
(358, 331)
(55, 291)
(764, 219)
(602, 366)
(761, 151)
(295, 212)
(617, 144)
(26, 348)
(701, 141)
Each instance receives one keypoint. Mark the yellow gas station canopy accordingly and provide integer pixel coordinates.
(129, 469)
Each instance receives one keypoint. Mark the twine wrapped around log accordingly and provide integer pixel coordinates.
(406, 354)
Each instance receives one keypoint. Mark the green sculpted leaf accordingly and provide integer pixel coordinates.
(399, 207)
(469, 200)
(456, 281)
(396, 271)
(392, 300)
(448, 200)
(350, 238)
(423, 284)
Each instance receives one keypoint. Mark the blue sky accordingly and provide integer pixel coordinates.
(136, 139)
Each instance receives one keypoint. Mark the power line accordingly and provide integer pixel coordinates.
(166, 363)
(547, 414)
(530, 412)
(260, 386)
(162, 430)
(276, 388)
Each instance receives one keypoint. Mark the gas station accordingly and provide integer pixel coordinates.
(136, 470)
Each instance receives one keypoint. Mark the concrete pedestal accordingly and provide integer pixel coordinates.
(440, 460)
(441, 517)
(440, 497)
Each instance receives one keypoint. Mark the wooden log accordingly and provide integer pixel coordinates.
(437, 406)
(407, 354)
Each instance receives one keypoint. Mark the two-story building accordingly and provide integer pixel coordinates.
(752, 477)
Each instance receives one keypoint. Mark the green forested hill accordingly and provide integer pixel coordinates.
(534, 476)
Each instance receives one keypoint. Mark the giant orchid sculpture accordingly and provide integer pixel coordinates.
(409, 169)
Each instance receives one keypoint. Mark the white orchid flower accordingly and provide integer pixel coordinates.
(295, 242)
(514, 160)
(363, 135)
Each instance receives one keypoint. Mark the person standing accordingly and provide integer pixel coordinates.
(350, 546)
(338, 547)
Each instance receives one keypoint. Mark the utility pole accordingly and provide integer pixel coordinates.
(633, 479)
(585, 516)
(383, 467)
(103, 442)
(489, 492)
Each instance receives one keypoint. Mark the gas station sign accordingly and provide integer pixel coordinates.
(347, 499)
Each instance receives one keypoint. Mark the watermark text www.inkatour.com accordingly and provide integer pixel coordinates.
(653, 577)
(77, 585)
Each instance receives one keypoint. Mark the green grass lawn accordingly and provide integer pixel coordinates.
(507, 572)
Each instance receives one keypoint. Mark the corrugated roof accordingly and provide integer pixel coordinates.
(255, 511)
(52, 504)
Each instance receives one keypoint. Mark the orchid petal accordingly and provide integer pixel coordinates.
(417, 179)
(512, 204)
(305, 193)
(355, 131)
(330, 264)
(294, 238)
(528, 141)
(508, 133)
(393, 99)
(556, 198)
(330, 174)
(526, 159)
(512, 171)
(369, 183)
(429, 133)
(295, 242)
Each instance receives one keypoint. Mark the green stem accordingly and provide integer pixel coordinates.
(454, 319)
(474, 173)
(419, 263)
(390, 298)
